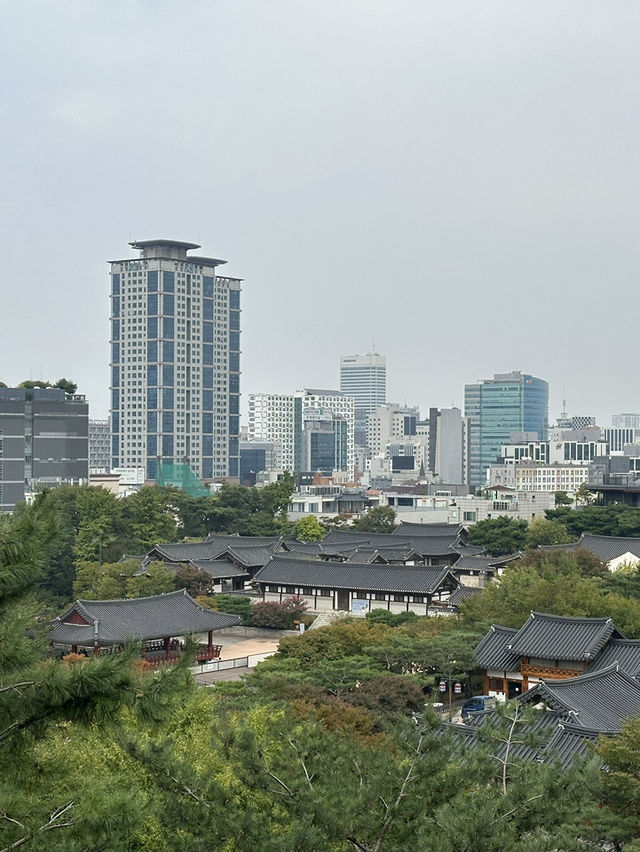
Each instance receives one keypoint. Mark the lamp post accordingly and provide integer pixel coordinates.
(453, 688)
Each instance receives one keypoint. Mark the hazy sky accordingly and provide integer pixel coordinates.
(458, 180)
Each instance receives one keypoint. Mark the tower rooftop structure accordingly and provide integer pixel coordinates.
(173, 250)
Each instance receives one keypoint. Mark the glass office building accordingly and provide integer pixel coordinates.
(175, 361)
(510, 402)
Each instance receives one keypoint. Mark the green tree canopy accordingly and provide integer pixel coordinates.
(543, 532)
(499, 536)
(381, 519)
(309, 529)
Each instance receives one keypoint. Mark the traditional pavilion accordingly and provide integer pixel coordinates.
(160, 623)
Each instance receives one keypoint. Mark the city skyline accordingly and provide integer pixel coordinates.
(495, 201)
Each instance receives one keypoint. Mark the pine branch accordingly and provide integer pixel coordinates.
(48, 826)
(17, 686)
(519, 807)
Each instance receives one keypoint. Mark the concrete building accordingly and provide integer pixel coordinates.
(310, 428)
(618, 438)
(388, 423)
(509, 402)
(99, 446)
(415, 506)
(273, 418)
(175, 361)
(450, 445)
(534, 476)
(364, 377)
(625, 421)
(43, 442)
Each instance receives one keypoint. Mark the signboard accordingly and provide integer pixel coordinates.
(359, 605)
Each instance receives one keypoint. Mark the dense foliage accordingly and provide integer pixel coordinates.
(330, 745)
(96, 528)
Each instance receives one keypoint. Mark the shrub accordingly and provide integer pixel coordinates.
(277, 615)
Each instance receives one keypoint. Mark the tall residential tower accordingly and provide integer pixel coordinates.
(364, 377)
(175, 361)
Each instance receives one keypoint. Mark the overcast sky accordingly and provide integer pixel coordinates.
(458, 180)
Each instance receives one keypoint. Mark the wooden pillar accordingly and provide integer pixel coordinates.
(74, 649)
(167, 645)
(210, 639)
(96, 650)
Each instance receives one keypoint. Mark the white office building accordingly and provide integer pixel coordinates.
(364, 377)
(299, 424)
(272, 419)
(389, 424)
(175, 361)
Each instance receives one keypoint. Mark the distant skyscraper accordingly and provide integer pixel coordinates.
(510, 402)
(175, 361)
(364, 377)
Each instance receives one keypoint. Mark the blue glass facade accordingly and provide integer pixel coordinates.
(512, 402)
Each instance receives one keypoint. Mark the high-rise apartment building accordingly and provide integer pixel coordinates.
(274, 418)
(99, 446)
(364, 377)
(175, 361)
(510, 402)
(43, 442)
(309, 428)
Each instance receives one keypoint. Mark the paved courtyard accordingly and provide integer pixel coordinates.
(234, 646)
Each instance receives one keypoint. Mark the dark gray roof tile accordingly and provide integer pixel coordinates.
(492, 652)
(115, 622)
(348, 575)
(601, 701)
(559, 637)
(624, 652)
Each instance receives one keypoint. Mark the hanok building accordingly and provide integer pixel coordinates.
(357, 587)
(550, 648)
(230, 560)
(160, 623)
(573, 714)
(614, 550)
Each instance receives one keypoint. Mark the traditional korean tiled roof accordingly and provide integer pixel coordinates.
(468, 549)
(481, 564)
(254, 556)
(398, 555)
(601, 701)
(310, 548)
(248, 550)
(220, 569)
(461, 594)
(115, 622)
(549, 738)
(556, 637)
(492, 651)
(288, 571)
(624, 652)
(408, 529)
(605, 547)
(569, 743)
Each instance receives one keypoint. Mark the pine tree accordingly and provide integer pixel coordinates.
(38, 693)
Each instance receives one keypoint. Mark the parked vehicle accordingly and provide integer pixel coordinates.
(478, 704)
